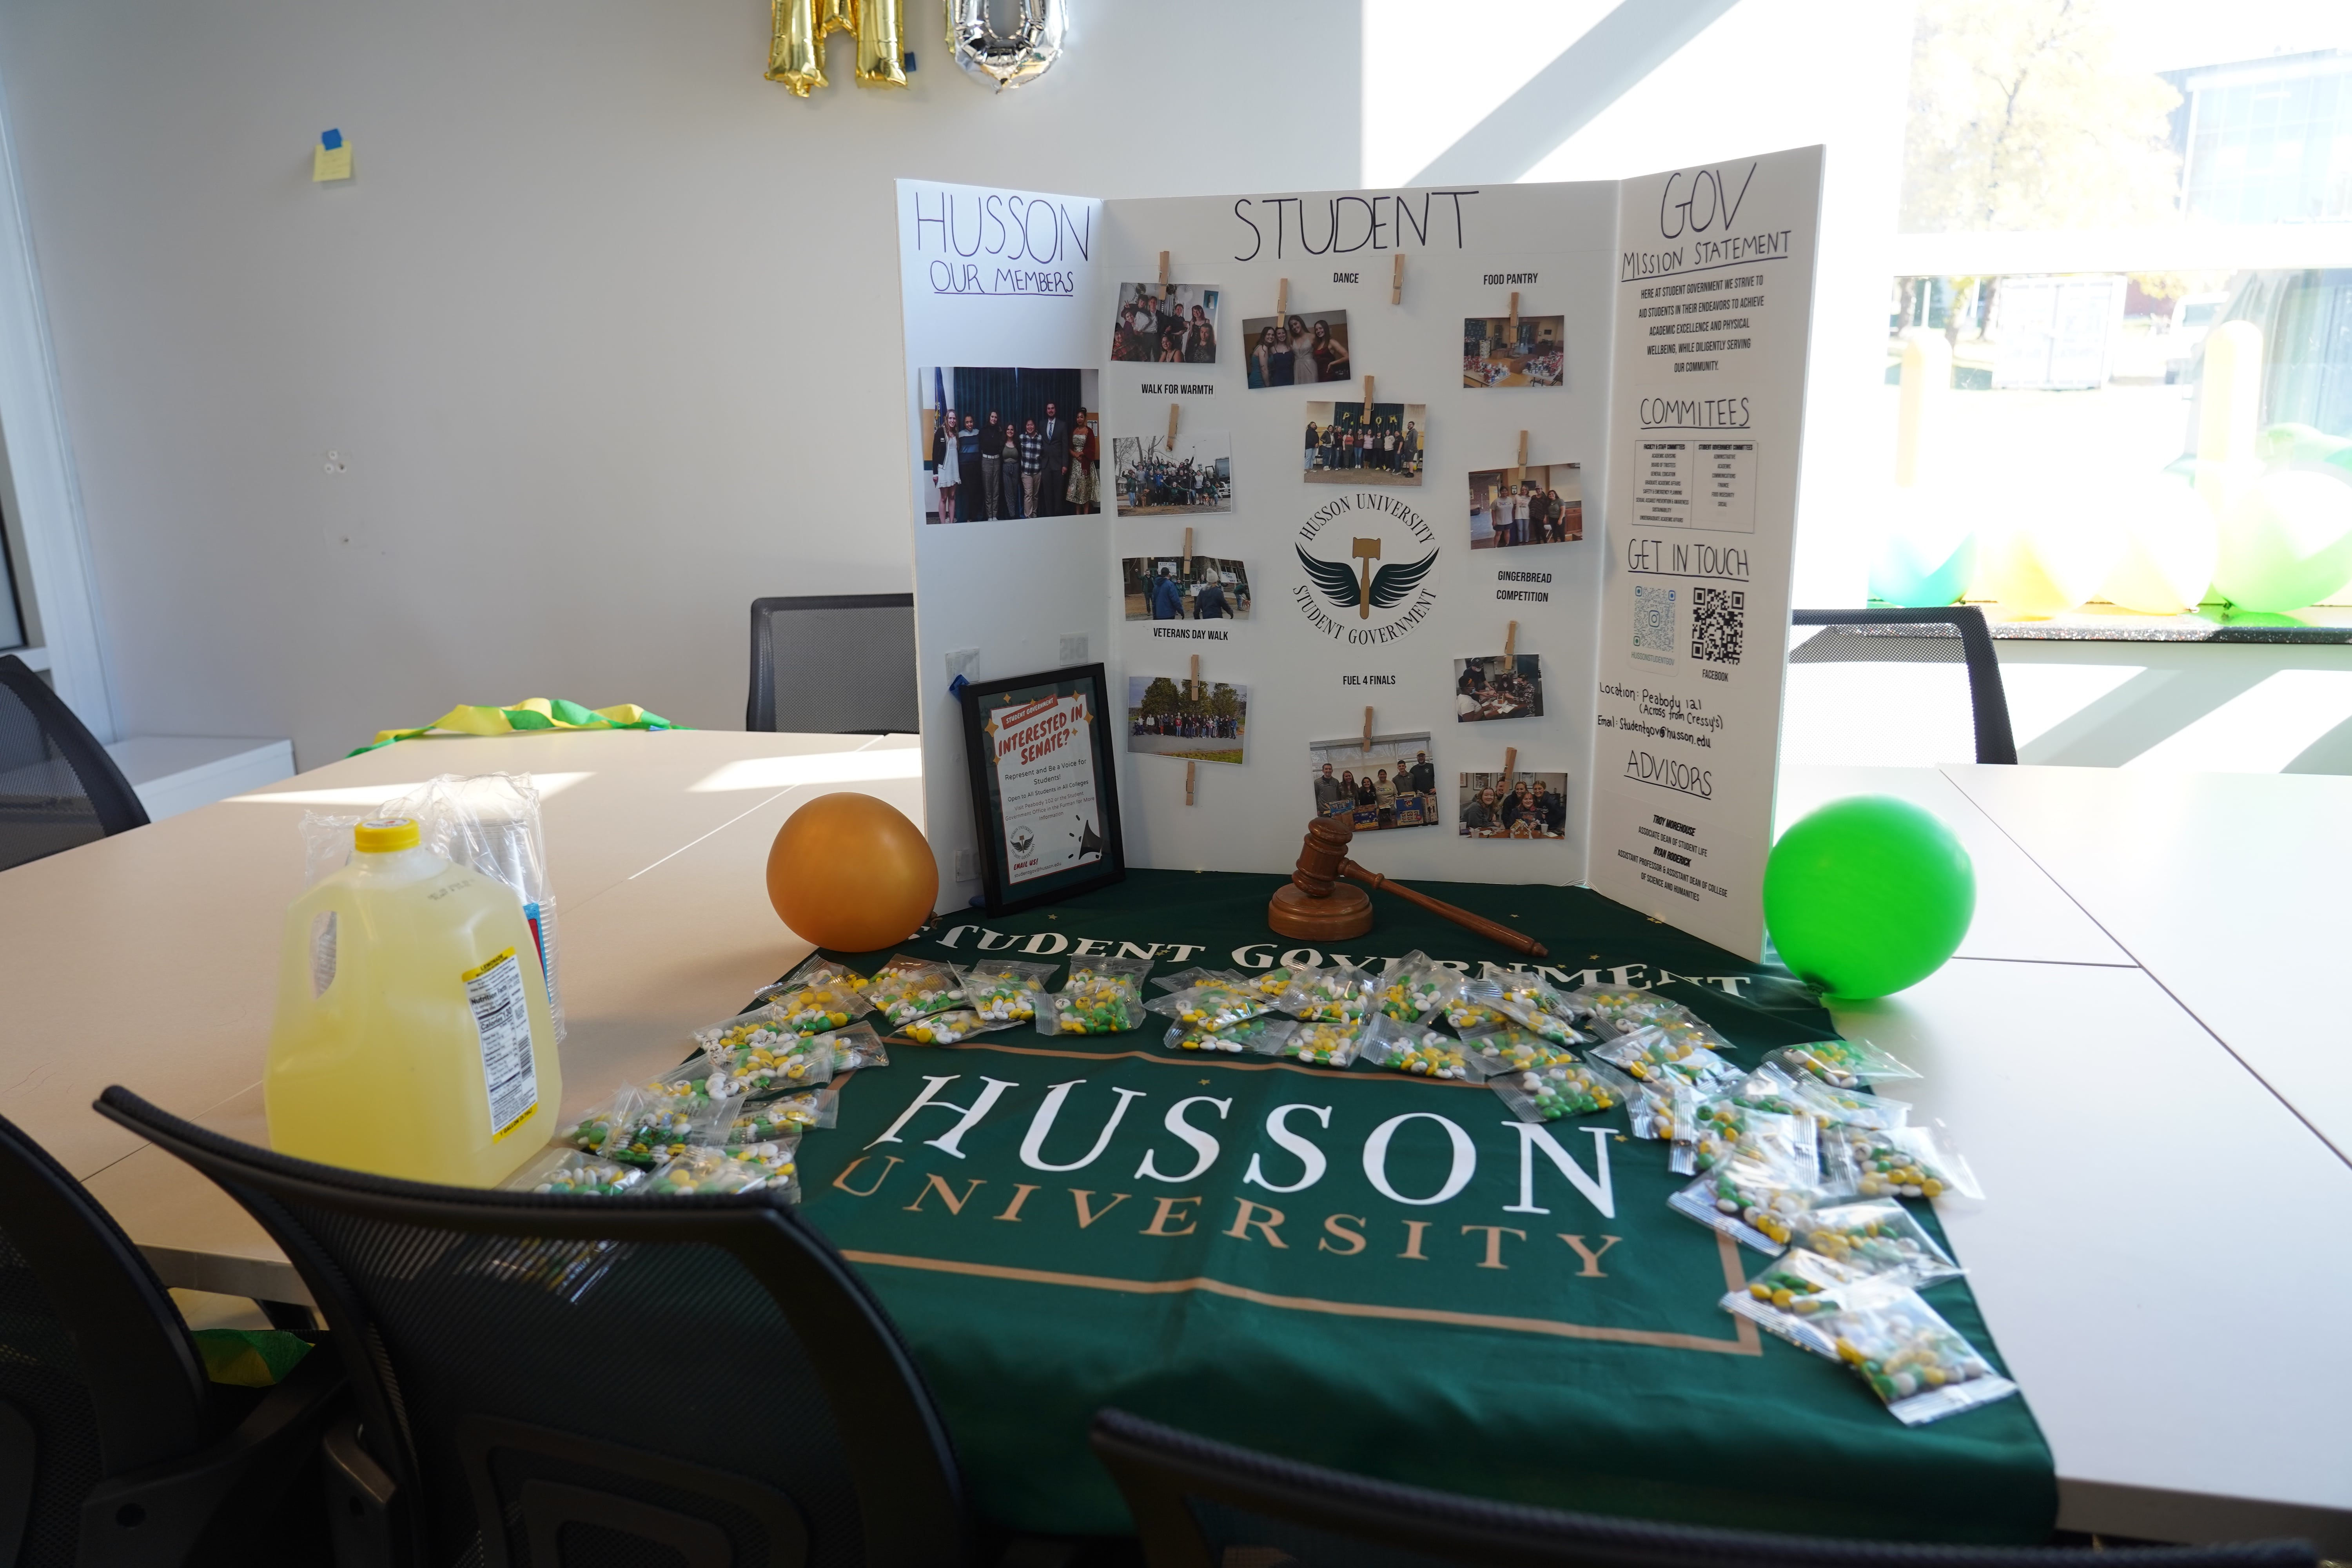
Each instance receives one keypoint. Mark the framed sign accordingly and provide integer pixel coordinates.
(1044, 786)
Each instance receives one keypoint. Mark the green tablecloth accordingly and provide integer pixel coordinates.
(1525, 1337)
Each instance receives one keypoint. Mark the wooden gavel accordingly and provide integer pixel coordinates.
(1317, 904)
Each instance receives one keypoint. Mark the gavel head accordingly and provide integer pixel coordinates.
(1318, 858)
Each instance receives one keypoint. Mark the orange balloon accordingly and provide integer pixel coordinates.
(851, 873)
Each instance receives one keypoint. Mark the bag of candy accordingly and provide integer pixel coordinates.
(1273, 982)
(1410, 1047)
(1851, 1106)
(957, 1024)
(649, 1124)
(854, 1048)
(1540, 1005)
(1649, 1054)
(906, 989)
(1752, 1196)
(1725, 1125)
(818, 995)
(1192, 974)
(1921, 1366)
(1263, 1035)
(1898, 1162)
(698, 1168)
(1005, 991)
(1411, 987)
(561, 1170)
(1879, 1238)
(757, 1054)
(1841, 1064)
(1101, 996)
(1563, 1088)
(1468, 1005)
(1214, 1002)
(1506, 1048)
(777, 1158)
(1624, 1011)
(1336, 993)
(1316, 1041)
(1788, 1293)
(786, 1118)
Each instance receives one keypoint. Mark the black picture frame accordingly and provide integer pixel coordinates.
(981, 700)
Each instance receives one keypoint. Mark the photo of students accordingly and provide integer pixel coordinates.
(1343, 448)
(999, 443)
(1208, 722)
(1152, 479)
(1494, 355)
(1498, 688)
(1517, 806)
(1301, 348)
(1159, 588)
(1391, 786)
(1544, 506)
(1175, 326)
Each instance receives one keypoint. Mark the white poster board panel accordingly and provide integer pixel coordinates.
(1712, 299)
(1311, 665)
(992, 279)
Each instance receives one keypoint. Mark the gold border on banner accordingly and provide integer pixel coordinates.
(1745, 1340)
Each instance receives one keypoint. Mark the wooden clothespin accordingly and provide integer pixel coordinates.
(1281, 299)
(1510, 764)
(1512, 332)
(1188, 780)
(1396, 280)
(1188, 556)
(1511, 640)
(1368, 397)
(1518, 472)
(1171, 427)
(1192, 687)
(1368, 730)
(1163, 274)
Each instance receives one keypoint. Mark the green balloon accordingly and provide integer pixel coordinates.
(1868, 895)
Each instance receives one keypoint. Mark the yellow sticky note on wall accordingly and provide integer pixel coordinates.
(332, 158)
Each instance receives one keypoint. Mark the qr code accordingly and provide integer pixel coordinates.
(1719, 619)
(1653, 618)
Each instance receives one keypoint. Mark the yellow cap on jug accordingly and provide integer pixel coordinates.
(380, 835)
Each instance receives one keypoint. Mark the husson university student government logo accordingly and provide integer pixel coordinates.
(1378, 590)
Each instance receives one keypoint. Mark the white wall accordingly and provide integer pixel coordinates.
(605, 330)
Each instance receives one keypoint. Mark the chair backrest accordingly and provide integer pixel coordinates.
(58, 786)
(1954, 633)
(98, 1374)
(837, 664)
(1200, 1504)
(576, 1380)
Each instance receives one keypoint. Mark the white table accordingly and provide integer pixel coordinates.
(2180, 1400)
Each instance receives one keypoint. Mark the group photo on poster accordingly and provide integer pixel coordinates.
(1153, 477)
(1297, 350)
(1177, 325)
(1544, 504)
(1388, 785)
(1505, 685)
(1170, 588)
(1513, 806)
(1171, 716)
(1497, 352)
(1343, 447)
(999, 442)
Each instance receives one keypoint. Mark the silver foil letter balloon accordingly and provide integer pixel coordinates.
(1010, 43)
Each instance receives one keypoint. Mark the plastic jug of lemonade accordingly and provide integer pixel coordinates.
(412, 1037)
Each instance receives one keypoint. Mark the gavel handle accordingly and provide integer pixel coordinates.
(1480, 923)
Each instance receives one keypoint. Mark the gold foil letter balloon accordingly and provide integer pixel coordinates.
(1010, 43)
(796, 51)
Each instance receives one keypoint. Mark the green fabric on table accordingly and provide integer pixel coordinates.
(250, 1358)
(1440, 1334)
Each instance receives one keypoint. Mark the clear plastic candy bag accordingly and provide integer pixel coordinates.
(1626, 1011)
(1335, 993)
(855, 1047)
(818, 997)
(1649, 1054)
(1786, 1295)
(1415, 1048)
(1469, 1006)
(1879, 1238)
(1005, 990)
(1316, 1042)
(1506, 1048)
(1273, 981)
(777, 1158)
(1922, 1367)
(758, 1054)
(957, 1024)
(787, 1117)
(1850, 1107)
(1899, 1163)
(1841, 1064)
(1750, 1196)
(1192, 974)
(1213, 1002)
(649, 1124)
(906, 989)
(1101, 996)
(561, 1170)
(1563, 1088)
(1725, 1125)
(700, 1168)
(1263, 1035)
(1411, 988)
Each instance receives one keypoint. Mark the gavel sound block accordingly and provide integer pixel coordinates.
(1316, 905)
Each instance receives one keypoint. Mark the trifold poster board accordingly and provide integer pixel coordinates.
(1360, 511)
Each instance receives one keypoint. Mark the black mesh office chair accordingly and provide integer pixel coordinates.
(839, 664)
(1955, 634)
(58, 786)
(113, 1448)
(1199, 1504)
(574, 1382)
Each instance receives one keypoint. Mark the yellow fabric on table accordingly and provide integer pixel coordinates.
(531, 714)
